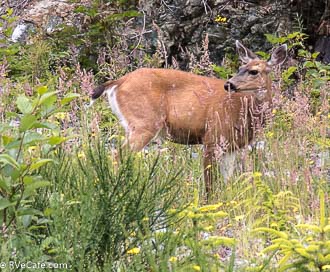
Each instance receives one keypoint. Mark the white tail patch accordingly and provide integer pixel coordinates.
(112, 98)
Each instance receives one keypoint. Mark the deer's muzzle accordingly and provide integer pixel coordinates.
(230, 87)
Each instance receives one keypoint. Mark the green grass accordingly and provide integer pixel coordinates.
(148, 212)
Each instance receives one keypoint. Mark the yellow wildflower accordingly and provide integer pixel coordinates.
(220, 19)
(208, 208)
(139, 155)
(81, 155)
(269, 134)
(326, 267)
(208, 228)
(60, 115)
(196, 268)
(134, 250)
(257, 174)
(32, 148)
(172, 259)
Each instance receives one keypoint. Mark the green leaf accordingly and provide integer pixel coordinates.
(68, 98)
(9, 11)
(39, 163)
(309, 64)
(55, 140)
(28, 211)
(33, 138)
(5, 185)
(315, 54)
(24, 104)
(26, 220)
(44, 125)
(5, 203)
(6, 159)
(293, 35)
(7, 139)
(46, 97)
(272, 39)
(31, 188)
(27, 122)
(42, 89)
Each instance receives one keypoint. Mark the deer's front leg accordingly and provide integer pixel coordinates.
(208, 165)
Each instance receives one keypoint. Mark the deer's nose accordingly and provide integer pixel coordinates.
(230, 87)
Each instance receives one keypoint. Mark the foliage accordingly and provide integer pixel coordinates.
(314, 74)
(28, 137)
(306, 249)
(106, 209)
(99, 30)
(274, 210)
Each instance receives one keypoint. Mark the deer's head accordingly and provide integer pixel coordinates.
(254, 74)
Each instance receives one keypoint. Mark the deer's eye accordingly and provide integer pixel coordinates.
(253, 72)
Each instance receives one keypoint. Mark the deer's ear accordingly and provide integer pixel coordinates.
(279, 55)
(245, 55)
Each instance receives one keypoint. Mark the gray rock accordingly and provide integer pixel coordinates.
(21, 32)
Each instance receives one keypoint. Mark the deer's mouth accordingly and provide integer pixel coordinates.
(251, 90)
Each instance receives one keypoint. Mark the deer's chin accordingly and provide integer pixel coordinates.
(246, 90)
(251, 90)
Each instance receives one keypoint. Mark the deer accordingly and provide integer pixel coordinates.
(191, 109)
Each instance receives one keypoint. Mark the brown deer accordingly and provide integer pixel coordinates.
(193, 109)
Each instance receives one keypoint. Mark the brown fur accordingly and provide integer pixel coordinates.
(192, 109)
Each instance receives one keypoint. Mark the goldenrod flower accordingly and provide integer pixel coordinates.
(134, 250)
(326, 267)
(257, 174)
(208, 228)
(208, 208)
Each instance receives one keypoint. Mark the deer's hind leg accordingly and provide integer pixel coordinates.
(138, 137)
(141, 119)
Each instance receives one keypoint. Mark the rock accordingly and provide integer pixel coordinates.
(42, 10)
(182, 25)
(19, 33)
